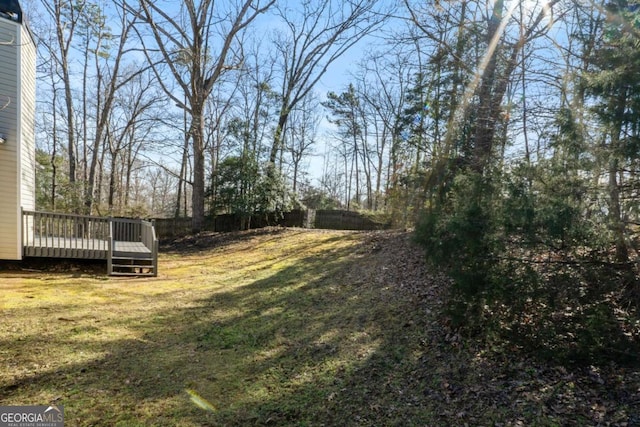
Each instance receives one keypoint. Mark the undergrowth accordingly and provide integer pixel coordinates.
(531, 271)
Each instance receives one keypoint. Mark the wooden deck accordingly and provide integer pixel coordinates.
(126, 244)
(65, 247)
(58, 247)
(130, 248)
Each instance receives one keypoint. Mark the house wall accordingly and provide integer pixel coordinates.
(26, 125)
(17, 156)
(9, 165)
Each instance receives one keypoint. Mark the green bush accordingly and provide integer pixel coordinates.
(530, 267)
(459, 238)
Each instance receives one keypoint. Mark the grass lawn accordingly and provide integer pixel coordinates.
(263, 328)
(271, 327)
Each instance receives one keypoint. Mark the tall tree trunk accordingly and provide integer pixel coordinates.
(279, 134)
(495, 80)
(183, 172)
(54, 167)
(487, 95)
(112, 182)
(615, 211)
(64, 36)
(197, 195)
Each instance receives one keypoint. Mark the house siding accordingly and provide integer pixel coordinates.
(9, 165)
(17, 102)
(26, 125)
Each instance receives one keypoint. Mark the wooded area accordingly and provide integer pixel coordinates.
(508, 131)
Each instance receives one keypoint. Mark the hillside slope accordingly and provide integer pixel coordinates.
(279, 327)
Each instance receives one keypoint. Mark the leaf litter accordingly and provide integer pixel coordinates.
(463, 381)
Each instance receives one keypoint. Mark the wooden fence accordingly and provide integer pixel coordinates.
(321, 219)
(347, 220)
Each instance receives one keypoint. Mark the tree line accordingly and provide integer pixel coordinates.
(193, 108)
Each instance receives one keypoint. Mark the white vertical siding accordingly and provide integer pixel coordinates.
(10, 244)
(26, 125)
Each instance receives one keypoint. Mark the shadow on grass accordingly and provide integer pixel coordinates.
(311, 344)
(72, 267)
(321, 340)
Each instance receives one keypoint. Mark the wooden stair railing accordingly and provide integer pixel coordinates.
(135, 248)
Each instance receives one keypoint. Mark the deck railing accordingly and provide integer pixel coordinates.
(127, 229)
(51, 234)
(148, 235)
(150, 240)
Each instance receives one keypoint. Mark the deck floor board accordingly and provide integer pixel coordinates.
(59, 247)
(137, 247)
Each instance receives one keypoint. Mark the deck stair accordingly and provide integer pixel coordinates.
(132, 266)
(133, 249)
(136, 262)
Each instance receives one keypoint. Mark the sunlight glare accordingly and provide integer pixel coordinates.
(530, 11)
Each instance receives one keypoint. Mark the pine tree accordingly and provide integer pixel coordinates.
(614, 87)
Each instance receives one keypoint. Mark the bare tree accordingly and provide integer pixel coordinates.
(131, 123)
(199, 42)
(301, 136)
(383, 85)
(65, 18)
(111, 78)
(315, 36)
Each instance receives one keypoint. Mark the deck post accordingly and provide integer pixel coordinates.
(22, 232)
(154, 251)
(110, 248)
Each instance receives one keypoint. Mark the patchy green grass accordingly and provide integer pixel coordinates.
(278, 327)
(267, 328)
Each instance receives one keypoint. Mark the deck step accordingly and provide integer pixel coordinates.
(127, 259)
(117, 273)
(132, 266)
(130, 255)
(147, 272)
(116, 266)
